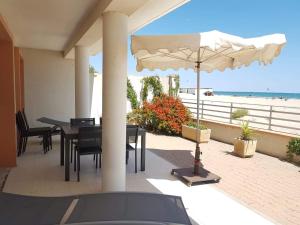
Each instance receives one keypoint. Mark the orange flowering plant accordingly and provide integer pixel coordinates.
(165, 114)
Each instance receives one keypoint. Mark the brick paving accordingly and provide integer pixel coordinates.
(262, 183)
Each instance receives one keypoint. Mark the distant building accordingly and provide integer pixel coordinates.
(192, 92)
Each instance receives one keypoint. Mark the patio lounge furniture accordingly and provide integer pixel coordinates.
(69, 132)
(130, 148)
(54, 130)
(25, 131)
(102, 208)
(89, 142)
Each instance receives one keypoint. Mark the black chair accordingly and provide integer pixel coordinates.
(89, 143)
(25, 131)
(80, 122)
(55, 130)
(130, 148)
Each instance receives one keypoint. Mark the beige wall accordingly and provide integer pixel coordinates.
(268, 142)
(49, 85)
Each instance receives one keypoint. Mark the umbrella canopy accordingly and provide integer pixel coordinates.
(215, 50)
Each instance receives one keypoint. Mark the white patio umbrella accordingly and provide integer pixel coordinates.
(207, 51)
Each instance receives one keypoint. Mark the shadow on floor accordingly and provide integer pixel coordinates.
(179, 158)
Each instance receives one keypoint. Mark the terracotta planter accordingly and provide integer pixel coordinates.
(244, 148)
(190, 133)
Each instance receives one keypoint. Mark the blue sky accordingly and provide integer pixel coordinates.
(243, 18)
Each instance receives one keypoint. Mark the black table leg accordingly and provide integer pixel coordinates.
(143, 151)
(62, 151)
(67, 159)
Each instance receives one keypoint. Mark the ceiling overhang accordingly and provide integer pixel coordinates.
(60, 25)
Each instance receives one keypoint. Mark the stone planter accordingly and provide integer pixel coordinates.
(296, 159)
(244, 148)
(190, 133)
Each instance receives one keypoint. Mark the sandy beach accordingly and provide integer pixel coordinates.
(258, 110)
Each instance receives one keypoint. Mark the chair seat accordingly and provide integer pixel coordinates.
(38, 131)
(89, 150)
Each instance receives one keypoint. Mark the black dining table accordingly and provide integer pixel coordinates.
(69, 132)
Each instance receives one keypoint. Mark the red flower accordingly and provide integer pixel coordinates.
(165, 114)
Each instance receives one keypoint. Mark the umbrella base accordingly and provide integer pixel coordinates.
(188, 176)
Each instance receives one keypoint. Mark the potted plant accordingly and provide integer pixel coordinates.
(189, 131)
(245, 145)
(293, 152)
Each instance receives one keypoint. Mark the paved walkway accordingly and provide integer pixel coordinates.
(263, 183)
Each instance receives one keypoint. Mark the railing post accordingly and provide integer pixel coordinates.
(230, 118)
(202, 109)
(270, 117)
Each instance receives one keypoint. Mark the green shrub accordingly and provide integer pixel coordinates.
(135, 117)
(194, 125)
(293, 148)
(151, 84)
(173, 91)
(247, 133)
(131, 96)
(239, 113)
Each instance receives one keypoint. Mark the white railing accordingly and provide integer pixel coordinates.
(269, 117)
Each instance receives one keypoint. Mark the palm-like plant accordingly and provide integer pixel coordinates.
(247, 133)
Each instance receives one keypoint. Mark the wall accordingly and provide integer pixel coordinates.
(7, 98)
(18, 78)
(96, 92)
(268, 142)
(49, 82)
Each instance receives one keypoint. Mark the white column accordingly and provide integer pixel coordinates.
(82, 82)
(114, 101)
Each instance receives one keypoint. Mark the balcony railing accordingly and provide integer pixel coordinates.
(269, 117)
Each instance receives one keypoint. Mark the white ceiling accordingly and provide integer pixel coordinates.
(44, 24)
(61, 24)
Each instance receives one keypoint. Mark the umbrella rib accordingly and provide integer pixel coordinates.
(217, 53)
(175, 57)
(202, 52)
(228, 54)
(182, 50)
(168, 55)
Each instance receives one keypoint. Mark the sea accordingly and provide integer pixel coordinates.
(260, 94)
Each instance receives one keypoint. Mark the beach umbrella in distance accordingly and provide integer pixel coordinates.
(207, 51)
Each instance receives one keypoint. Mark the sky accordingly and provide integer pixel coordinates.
(243, 18)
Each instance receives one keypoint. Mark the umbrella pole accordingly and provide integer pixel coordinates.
(197, 161)
(196, 174)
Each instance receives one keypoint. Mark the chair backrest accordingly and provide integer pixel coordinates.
(89, 137)
(25, 119)
(21, 123)
(19, 126)
(82, 122)
(136, 133)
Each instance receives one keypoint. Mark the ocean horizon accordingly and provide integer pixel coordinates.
(280, 95)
